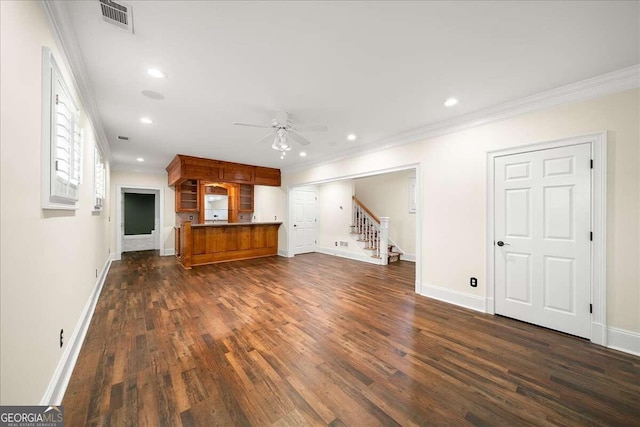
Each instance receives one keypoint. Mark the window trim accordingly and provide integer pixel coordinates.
(51, 76)
(98, 202)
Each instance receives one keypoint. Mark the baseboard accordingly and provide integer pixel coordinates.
(627, 341)
(461, 299)
(58, 385)
(598, 333)
(283, 253)
(169, 252)
(408, 257)
(348, 255)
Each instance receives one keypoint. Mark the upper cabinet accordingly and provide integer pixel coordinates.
(267, 176)
(188, 196)
(184, 168)
(245, 198)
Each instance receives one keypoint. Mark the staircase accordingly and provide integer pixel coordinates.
(373, 234)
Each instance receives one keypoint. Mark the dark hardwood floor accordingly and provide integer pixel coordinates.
(320, 340)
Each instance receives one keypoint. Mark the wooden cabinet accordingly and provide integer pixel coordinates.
(245, 198)
(188, 196)
(211, 243)
(267, 176)
(184, 168)
(237, 173)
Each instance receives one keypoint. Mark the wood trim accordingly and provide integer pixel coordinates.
(366, 209)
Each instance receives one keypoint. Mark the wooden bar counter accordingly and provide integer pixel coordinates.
(200, 244)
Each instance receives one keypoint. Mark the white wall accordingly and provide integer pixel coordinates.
(388, 195)
(270, 204)
(48, 259)
(131, 179)
(454, 190)
(335, 217)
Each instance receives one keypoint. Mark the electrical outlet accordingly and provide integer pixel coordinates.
(61, 337)
(473, 282)
(336, 243)
(275, 217)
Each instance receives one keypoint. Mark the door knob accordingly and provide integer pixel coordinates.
(295, 225)
(501, 243)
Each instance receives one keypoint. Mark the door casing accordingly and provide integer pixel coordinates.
(598, 142)
(120, 217)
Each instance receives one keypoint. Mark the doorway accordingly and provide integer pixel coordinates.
(141, 220)
(546, 204)
(141, 236)
(304, 220)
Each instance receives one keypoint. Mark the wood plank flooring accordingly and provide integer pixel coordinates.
(319, 340)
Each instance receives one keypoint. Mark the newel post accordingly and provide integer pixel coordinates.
(186, 245)
(384, 239)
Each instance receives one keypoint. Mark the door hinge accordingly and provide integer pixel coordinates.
(590, 308)
(591, 163)
(591, 236)
(57, 100)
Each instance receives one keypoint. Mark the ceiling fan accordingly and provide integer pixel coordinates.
(283, 129)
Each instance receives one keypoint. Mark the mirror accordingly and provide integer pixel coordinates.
(216, 204)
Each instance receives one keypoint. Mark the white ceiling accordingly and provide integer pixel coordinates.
(376, 69)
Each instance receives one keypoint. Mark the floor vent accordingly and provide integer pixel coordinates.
(118, 14)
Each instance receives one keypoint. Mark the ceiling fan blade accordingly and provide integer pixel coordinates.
(268, 137)
(251, 125)
(298, 138)
(311, 128)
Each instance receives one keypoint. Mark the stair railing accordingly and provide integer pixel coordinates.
(373, 230)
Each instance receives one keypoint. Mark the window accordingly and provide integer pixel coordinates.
(61, 140)
(98, 178)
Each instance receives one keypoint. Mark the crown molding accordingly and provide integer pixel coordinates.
(67, 42)
(137, 169)
(615, 81)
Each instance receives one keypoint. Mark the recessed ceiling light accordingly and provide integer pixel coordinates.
(140, 159)
(450, 102)
(146, 120)
(351, 137)
(154, 72)
(302, 154)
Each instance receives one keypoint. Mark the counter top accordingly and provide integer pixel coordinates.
(234, 224)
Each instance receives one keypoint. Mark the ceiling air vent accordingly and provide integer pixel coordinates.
(118, 14)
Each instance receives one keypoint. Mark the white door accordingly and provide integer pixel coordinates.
(304, 224)
(542, 238)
